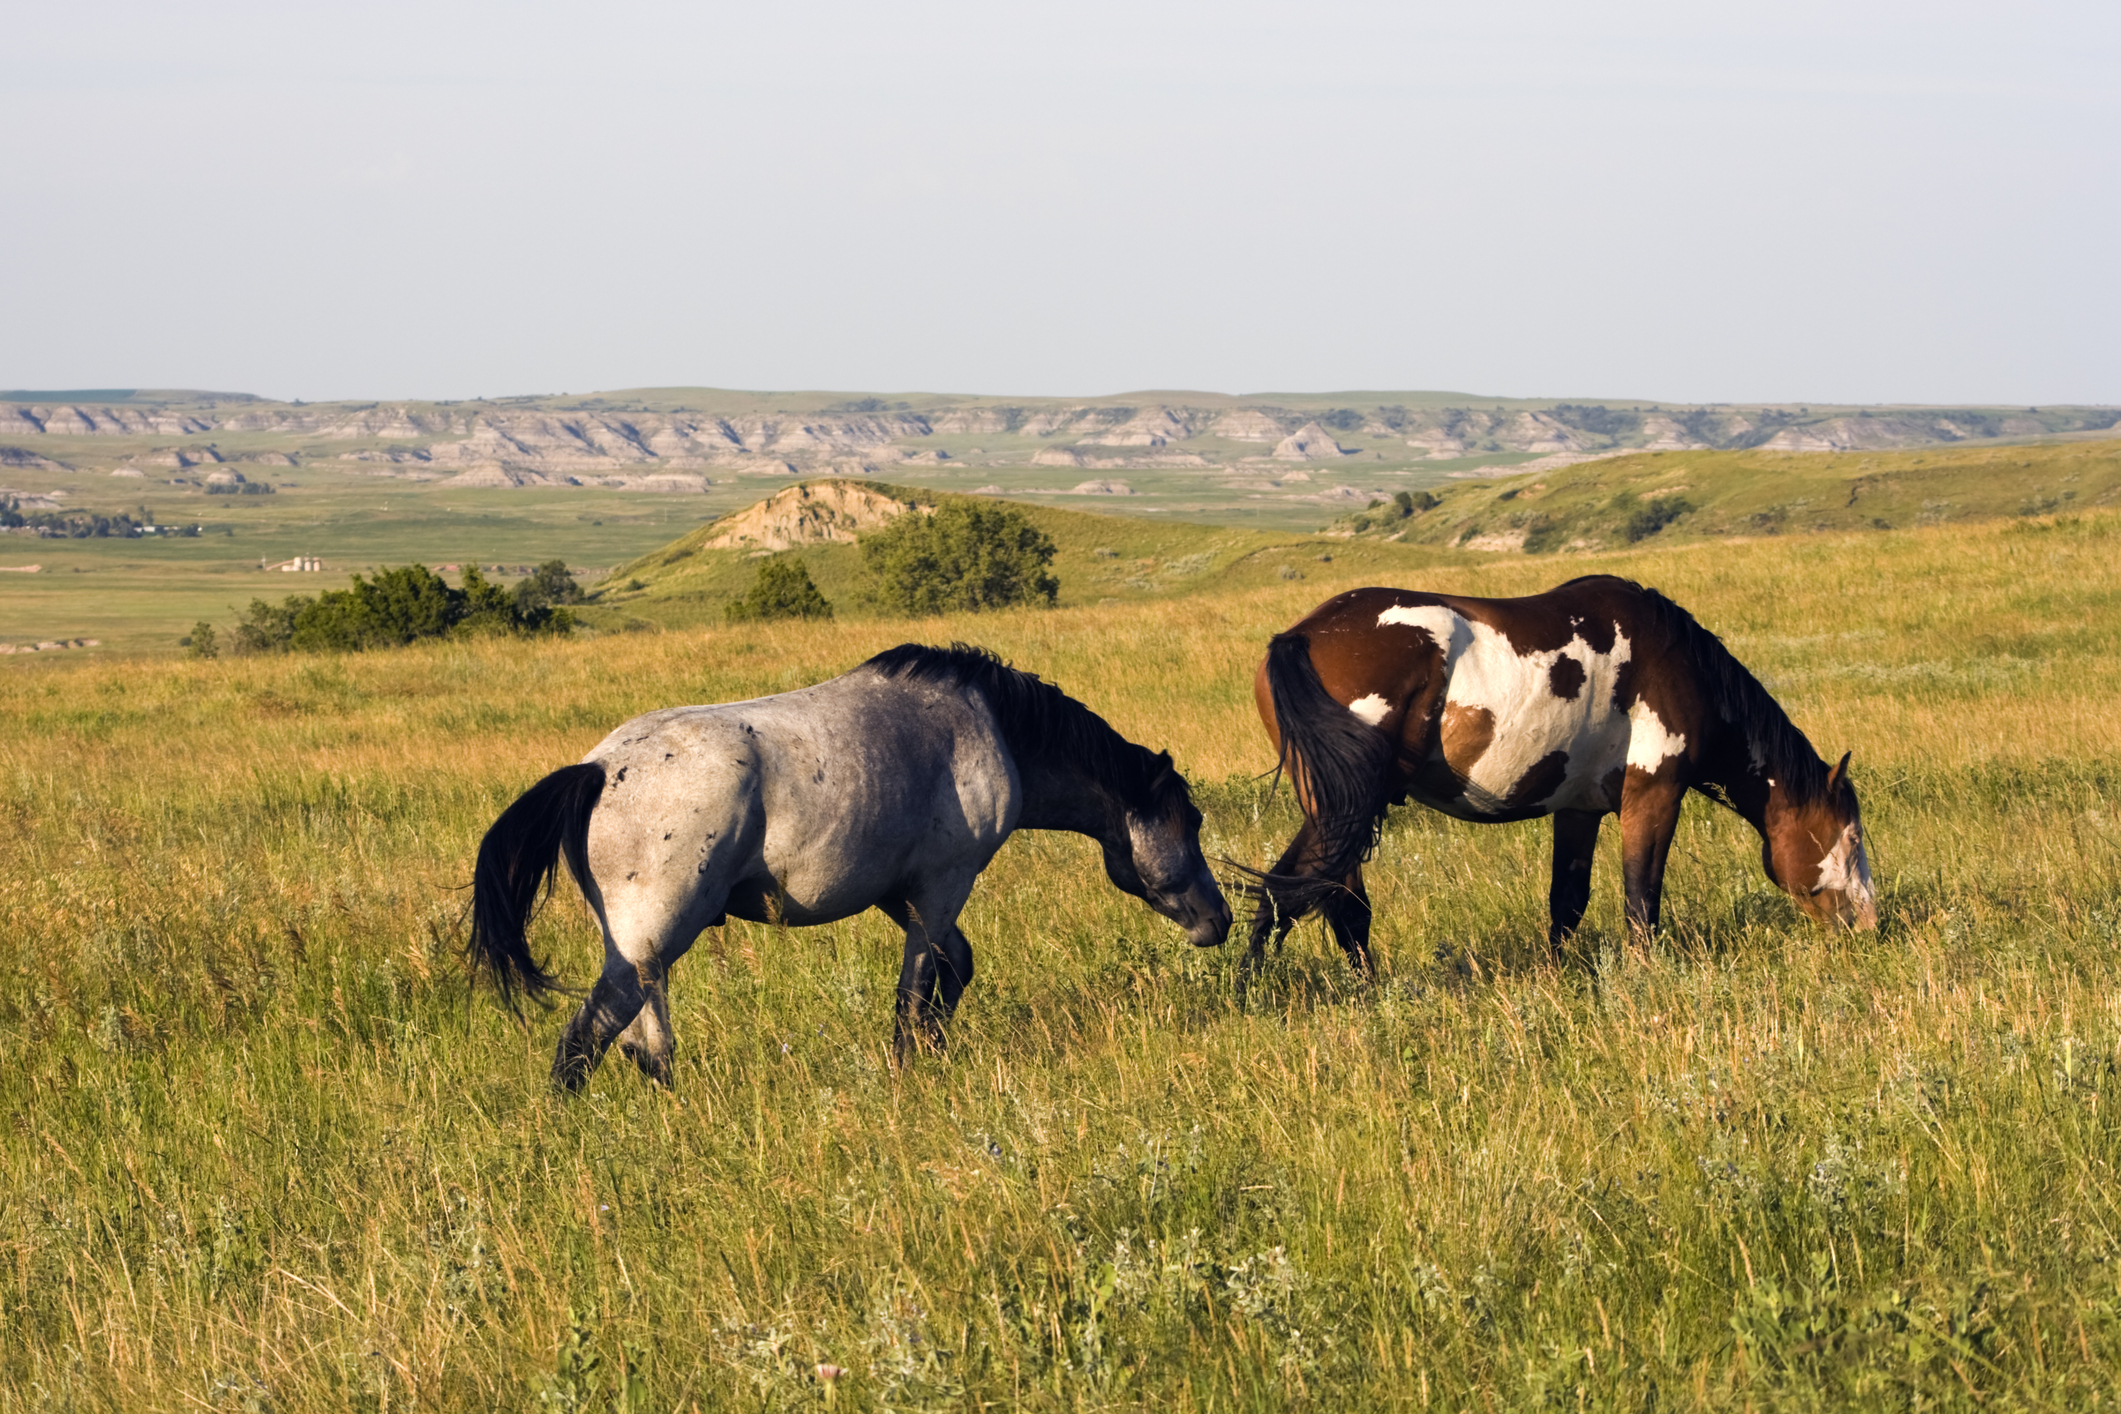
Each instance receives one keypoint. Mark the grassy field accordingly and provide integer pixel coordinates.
(141, 595)
(265, 1151)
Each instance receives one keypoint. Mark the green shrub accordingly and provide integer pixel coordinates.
(1544, 533)
(783, 590)
(964, 556)
(396, 607)
(200, 642)
(1656, 516)
(549, 584)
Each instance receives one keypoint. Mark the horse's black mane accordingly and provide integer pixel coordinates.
(1733, 693)
(1038, 720)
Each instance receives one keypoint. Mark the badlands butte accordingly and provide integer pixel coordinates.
(1296, 450)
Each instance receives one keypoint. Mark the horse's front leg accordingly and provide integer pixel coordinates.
(937, 966)
(610, 1009)
(953, 973)
(1649, 816)
(1569, 892)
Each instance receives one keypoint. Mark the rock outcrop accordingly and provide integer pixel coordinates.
(1308, 443)
(1151, 427)
(534, 442)
(1247, 425)
(815, 513)
(24, 457)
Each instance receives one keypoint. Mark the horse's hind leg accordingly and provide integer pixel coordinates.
(646, 1041)
(610, 1009)
(1296, 887)
(1347, 914)
(1569, 893)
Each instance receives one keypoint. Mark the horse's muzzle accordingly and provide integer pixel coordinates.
(1211, 930)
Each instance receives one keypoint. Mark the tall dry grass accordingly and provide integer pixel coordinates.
(264, 1151)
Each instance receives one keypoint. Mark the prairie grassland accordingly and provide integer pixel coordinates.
(264, 1151)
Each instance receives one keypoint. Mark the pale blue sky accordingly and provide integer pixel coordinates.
(1683, 201)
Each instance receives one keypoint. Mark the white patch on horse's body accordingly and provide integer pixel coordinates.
(1485, 672)
(1372, 709)
(1649, 744)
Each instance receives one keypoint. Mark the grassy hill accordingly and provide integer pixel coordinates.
(1102, 559)
(1614, 501)
(1591, 506)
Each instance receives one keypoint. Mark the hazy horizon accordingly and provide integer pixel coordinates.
(1881, 204)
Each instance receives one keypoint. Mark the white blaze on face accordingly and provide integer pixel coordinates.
(1487, 673)
(1649, 744)
(1847, 870)
(1371, 709)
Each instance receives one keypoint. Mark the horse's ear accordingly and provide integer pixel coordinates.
(1840, 774)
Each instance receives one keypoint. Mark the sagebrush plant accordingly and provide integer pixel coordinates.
(783, 590)
(263, 1149)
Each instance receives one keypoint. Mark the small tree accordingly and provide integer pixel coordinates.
(966, 556)
(549, 584)
(200, 642)
(783, 590)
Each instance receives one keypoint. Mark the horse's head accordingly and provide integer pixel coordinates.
(1159, 860)
(1815, 851)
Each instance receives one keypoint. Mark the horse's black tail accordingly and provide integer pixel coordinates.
(1338, 763)
(519, 856)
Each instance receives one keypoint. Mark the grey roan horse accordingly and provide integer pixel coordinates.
(892, 786)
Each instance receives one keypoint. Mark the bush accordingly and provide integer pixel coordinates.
(783, 590)
(396, 607)
(1656, 516)
(549, 584)
(200, 642)
(965, 556)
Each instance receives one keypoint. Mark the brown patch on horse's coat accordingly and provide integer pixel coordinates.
(1466, 735)
(1566, 678)
(1545, 776)
(1614, 783)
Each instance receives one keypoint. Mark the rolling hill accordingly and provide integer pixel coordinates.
(1620, 500)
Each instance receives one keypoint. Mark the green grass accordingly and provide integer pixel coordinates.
(265, 1150)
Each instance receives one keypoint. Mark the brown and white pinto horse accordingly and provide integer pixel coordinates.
(1595, 697)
